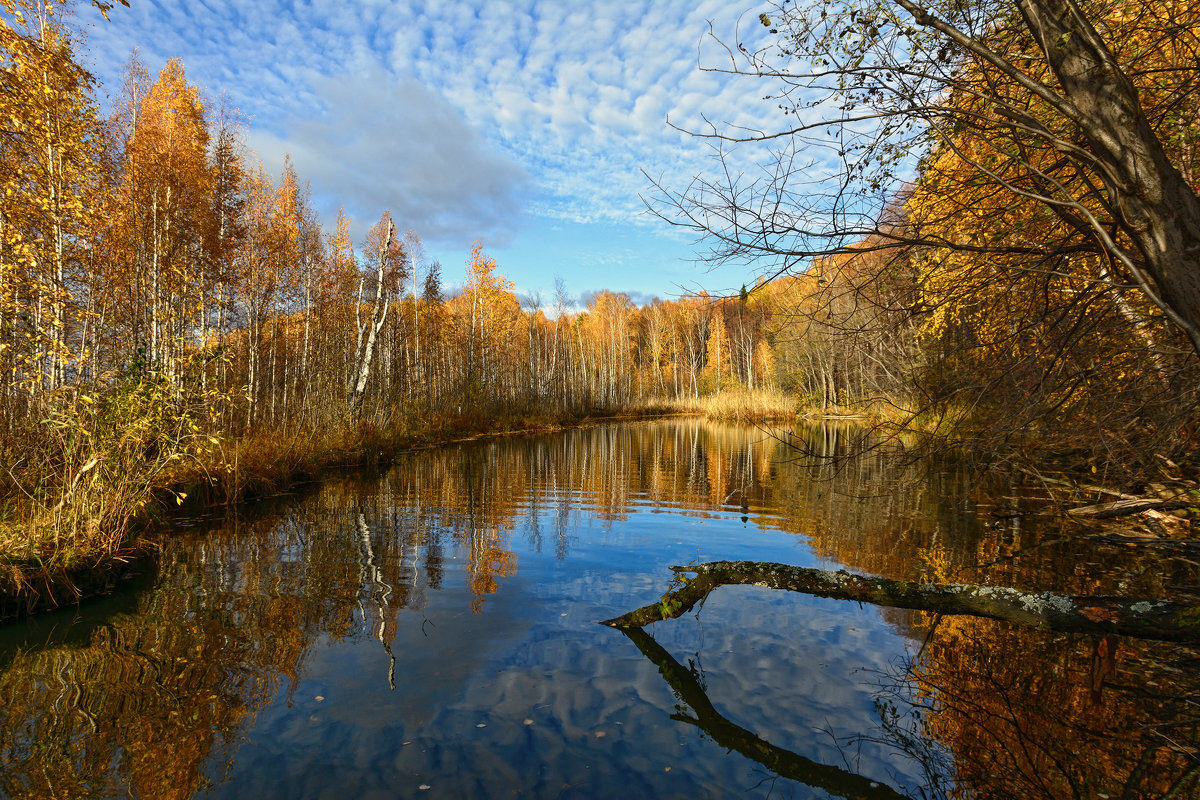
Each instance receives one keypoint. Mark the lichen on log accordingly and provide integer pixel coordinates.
(1147, 619)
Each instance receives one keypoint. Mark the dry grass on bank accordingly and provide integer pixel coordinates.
(114, 473)
(759, 405)
(770, 405)
(95, 489)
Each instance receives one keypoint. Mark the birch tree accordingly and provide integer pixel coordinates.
(389, 261)
(49, 164)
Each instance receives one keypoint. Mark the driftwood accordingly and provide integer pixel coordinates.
(1157, 619)
(1120, 508)
(730, 735)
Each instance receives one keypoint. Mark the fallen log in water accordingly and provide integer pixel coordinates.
(1146, 619)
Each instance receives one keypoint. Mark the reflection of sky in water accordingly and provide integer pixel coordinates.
(796, 671)
(249, 655)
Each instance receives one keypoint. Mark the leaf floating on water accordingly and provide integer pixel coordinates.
(481, 725)
(424, 787)
(600, 734)
(528, 721)
(320, 698)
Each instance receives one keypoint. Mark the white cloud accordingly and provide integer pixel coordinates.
(459, 114)
(376, 143)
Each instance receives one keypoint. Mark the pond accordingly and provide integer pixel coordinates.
(432, 631)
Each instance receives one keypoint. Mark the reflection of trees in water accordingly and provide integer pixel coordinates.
(162, 694)
(158, 698)
(146, 704)
(908, 520)
(1017, 713)
(1048, 716)
(992, 710)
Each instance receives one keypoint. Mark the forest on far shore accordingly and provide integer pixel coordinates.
(175, 321)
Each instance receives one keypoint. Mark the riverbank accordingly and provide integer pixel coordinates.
(57, 548)
(55, 554)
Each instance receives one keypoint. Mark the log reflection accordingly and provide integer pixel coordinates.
(785, 763)
(155, 700)
(988, 712)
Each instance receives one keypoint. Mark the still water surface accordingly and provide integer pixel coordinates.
(432, 632)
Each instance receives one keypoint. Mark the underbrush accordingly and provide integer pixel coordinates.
(85, 468)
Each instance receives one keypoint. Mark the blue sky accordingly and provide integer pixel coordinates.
(525, 124)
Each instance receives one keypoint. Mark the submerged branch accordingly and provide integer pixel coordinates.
(1160, 619)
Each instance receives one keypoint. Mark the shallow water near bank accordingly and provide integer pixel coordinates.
(432, 632)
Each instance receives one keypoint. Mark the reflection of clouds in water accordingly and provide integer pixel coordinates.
(593, 519)
(785, 667)
(794, 670)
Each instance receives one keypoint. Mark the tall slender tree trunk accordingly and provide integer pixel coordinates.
(378, 316)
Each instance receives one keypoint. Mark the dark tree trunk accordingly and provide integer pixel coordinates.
(1152, 201)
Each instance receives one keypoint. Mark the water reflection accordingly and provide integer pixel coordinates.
(434, 626)
(1049, 716)
(688, 685)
